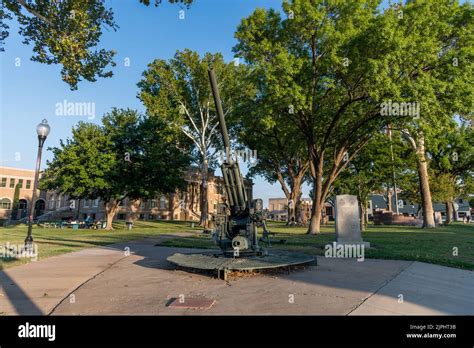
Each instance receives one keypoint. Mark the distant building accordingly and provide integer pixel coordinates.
(16, 190)
(52, 205)
(413, 209)
(277, 208)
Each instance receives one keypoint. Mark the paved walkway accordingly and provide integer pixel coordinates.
(109, 281)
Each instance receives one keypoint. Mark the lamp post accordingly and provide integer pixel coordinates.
(42, 130)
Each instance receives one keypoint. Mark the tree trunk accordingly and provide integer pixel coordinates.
(298, 209)
(291, 219)
(294, 198)
(428, 213)
(203, 221)
(315, 223)
(111, 208)
(79, 209)
(389, 199)
(362, 209)
(449, 212)
(455, 213)
(423, 177)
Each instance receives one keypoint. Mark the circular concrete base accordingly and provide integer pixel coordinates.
(215, 261)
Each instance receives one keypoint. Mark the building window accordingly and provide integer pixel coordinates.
(460, 201)
(162, 202)
(58, 203)
(86, 203)
(5, 203)
(23, 204)
(28, 184)
(4, 182)
(51, 203)
(20, 183)
(12, 183)
(153, 203)
(95, 203)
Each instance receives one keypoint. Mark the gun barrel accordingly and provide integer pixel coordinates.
(220, 113)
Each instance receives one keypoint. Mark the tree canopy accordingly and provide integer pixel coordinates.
(66, 32)
(128, 156)
(335, 63)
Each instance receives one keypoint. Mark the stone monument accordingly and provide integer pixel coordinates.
(347, 221)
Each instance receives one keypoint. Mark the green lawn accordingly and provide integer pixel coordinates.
(387, 242)
(53, 241)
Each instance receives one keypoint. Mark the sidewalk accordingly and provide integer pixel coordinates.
(107, 281)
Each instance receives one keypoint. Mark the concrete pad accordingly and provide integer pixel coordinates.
(35, 288)
(425, 289)
(144, 283)
(106, 281)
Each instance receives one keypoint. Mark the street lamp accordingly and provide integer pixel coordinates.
(42, 130)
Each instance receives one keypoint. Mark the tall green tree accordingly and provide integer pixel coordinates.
(436, 41)
(178, 93)
(372, 171)
(66, 32)
(16, 202)
(452, 165)
(128, 156)
(335, 63)
(279, 158)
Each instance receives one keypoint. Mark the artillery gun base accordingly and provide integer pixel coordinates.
(220, 265)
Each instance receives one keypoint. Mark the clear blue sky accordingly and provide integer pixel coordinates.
(29, 93)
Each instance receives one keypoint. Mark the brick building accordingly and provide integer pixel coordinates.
(16, 190)
(55, 206)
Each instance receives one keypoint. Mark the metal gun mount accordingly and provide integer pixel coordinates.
(237, 220)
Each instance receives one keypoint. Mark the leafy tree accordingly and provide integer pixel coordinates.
(128, 156)
(452, 164)
(65, 32)
(372, 171)
(16, 202)
(335, 63)
(279, 158)
(178, 93)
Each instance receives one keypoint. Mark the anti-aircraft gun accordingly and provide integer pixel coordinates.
(237, 219)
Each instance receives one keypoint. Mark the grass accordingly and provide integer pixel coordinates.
(387, 242)
(55, 241)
